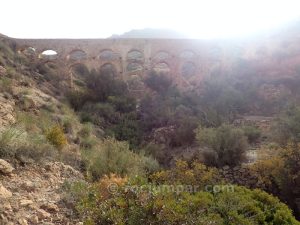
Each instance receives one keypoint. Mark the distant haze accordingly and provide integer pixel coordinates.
(103, 18)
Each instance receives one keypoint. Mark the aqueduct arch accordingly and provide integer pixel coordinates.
(135, 57)
(77, 55)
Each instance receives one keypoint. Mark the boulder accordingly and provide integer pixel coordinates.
(4, 193)
(5, 167)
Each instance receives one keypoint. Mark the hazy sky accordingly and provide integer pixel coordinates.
(102, 18)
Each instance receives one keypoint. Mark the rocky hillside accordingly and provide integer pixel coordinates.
(34, 194)
(32, 174)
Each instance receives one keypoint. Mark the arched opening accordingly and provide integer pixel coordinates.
(108, 69)
(187, 54)
(135, 56)
(161, 56)
(77, 55)
(134, 67)
(48, 54)
(108, 55)
(188, 70)
(162, 68)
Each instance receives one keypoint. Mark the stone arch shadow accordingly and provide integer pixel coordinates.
(161, 55)
(115, 66)
(108, 55)
(77, 55)
(162, 67)
(135, 55)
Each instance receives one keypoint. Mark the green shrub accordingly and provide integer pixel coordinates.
(287, 127)
(77, 99)
(6, 85)
(226, 144)
(188, 174)
(279, 174)
(252, 133)
(68, 126)
(26, 103)
(150, 164)
(56, 136)
(88, 143)
(51, 108)
(36, 148)
(97, 112)
(10, 138)
(184, 133)
(112, 156)
(20, 59)
(86, 130)
(103, 84)
(6, 49)
(128, 129)
(27, 120)
(158, 151)
(50, 72)
(161, 205)
(15, 142)
(35, 123)
(123, 104)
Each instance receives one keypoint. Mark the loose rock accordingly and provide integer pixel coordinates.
(26, 202)
(5, 167)
(42, 214)
(4, 193)
(50, 207)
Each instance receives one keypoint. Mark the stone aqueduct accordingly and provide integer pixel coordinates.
(186, 60)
